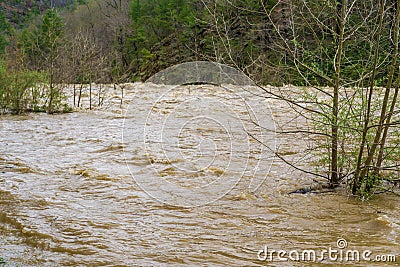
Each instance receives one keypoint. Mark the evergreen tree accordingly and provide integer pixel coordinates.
(50, 33)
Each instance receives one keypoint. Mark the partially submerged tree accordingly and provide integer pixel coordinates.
(50, 38)
(38, 50)
(342, 50)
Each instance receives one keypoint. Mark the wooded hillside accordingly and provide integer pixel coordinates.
(17, 12)
(128, 40)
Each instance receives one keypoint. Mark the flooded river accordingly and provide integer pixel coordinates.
(174, 181)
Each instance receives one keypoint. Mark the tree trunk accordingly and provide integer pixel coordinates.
(389, 85)
(335, 177)
(90, 96)
(361, 171)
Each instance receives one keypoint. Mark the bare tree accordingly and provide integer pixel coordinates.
(319, 42)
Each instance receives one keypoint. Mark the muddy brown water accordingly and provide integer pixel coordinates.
(69, 197)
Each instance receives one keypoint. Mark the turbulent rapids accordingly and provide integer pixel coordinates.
(100, 187)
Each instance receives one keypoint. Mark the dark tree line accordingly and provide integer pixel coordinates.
(134, 39)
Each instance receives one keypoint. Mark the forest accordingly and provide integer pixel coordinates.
(274, 42)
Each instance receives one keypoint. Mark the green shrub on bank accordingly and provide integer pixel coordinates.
(24, 91)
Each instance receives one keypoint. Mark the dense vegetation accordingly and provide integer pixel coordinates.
(132, 39)
(339, 44)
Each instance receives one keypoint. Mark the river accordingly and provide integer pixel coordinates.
(116, 187)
